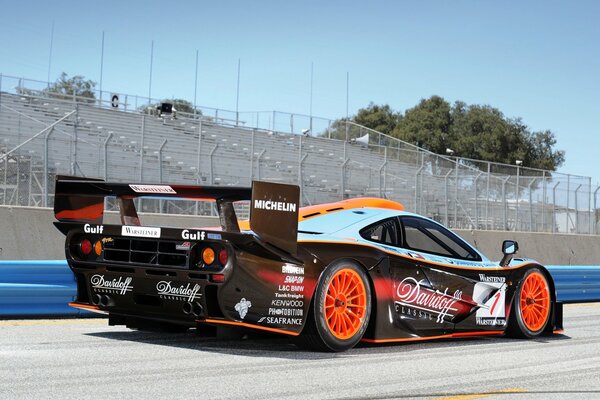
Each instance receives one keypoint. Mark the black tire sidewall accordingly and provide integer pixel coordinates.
(327, 338)
(517, 305)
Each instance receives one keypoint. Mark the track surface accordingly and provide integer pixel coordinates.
(75, 359)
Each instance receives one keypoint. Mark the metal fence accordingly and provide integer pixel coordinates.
(42, 135)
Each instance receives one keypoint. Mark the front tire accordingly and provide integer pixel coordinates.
(532, 306)
(340, 309)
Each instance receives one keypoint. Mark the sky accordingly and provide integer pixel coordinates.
(537, 60)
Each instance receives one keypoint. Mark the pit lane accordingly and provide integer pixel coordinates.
(85, 358)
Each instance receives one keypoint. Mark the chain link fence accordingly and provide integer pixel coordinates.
(43, 136)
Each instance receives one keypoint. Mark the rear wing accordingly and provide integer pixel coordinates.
(273, 210)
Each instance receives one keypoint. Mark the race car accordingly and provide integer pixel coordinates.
(330, 275)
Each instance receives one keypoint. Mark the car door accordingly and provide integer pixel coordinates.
(441, 295)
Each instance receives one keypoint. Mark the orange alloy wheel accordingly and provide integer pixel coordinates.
(345, 304)
(535, 301)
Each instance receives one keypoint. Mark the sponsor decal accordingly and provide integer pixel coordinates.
(194, 235)
(183, 246)
(416, 255)
(286, 312)
(282, 321)
(140, 231)
(214, 236)
(287, 303)
(411, 293)
(289, 295)
(292, 269)
(493, 279)
(291, 288)
(242, 307)
(491, 299)
(182, 292)
(293, 279)
(275, 205)
(106, 240)
(87, 228)
(118, 286)
(164, 189)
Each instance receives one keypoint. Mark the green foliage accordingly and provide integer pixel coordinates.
(380, 118)
(427, 125)
(66, 88)
(479, 132)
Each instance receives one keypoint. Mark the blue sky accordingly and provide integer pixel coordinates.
(538, 60)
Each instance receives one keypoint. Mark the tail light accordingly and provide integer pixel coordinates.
(85, 246)
(223, 256)
(208, 256)
(98, 248)
(217, 278)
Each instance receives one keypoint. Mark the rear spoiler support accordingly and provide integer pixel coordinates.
(273, 210)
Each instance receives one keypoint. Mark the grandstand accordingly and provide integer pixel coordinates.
(41, 137)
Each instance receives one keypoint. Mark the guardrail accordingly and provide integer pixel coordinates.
(576, 283)
(43, 288)
(37, 288)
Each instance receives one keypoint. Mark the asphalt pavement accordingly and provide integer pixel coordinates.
(86, 358)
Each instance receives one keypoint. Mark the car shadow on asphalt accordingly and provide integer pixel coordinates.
(265, 345)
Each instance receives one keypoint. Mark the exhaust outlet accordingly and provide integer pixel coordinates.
(197, 310)
(105, 301)
(96, 299)
(187, 308)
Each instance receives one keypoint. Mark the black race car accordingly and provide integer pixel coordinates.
(330, 275)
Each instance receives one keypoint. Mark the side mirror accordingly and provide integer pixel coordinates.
(509, 248)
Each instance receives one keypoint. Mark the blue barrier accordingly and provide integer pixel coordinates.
(37, 288)
(576, 283)
(43, 288)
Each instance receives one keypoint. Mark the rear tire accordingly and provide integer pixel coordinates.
(340, 309)
(532, 306)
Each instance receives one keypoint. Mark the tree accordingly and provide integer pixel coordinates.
(66, 88)
(428, 125)
(479, 132)
(380, 118)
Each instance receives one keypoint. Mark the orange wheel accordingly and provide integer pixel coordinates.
(340, 308)
(532, 306)
(535, 301)
(345, 304)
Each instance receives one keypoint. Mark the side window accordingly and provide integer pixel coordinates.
(423, 235)
(386, 231)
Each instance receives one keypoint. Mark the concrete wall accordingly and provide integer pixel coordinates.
(27, 233)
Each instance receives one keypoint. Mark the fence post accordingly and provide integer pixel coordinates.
(487, 195)
(199, 158)
(252, 156)
(517, 198)
(577, 209)
(531, 205)
(258, 160)
(544, 194)
(554, 207)
(504, 202)
(106, 156)
(456, 195)
(212, 152)
(595, 224)
(160, 174)
(476, 202)
(447, 217)
(46, 136)
(142, 148)
(381, 169)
